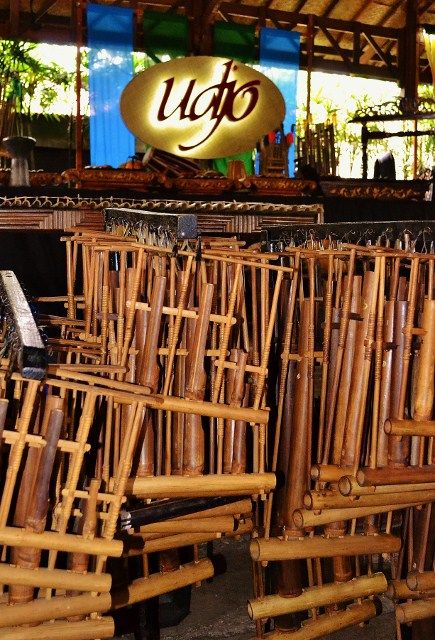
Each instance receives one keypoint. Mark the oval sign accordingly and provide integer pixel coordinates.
(202, 106)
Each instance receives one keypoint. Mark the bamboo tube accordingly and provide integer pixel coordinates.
(275, 605)
(321, 547)
(200, 486)
(414, 475)
(223, 524)
(424, 581)
(54, 579)
(348, 486)
(193, 444)
(37, 508)
(59, 607)
(328, 623)
(424, 391)
(159, 583)
(306, 518)
(418, 610)
(398, 447)
(83, 630)
(298, 463)
(157, 401)
(410, 427)
(385, 390)
(140, 546)
(149, 371)
(241, 507)
(399, 590)
(318, 500)
(327, 472)
(18, 537)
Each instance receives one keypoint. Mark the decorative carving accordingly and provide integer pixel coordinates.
(400, 109)
(114, 178)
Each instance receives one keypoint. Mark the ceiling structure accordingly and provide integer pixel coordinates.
(371, 38)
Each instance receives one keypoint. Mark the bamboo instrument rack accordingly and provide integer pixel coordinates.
(163, 422)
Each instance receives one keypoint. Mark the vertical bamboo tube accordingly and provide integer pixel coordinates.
(193, 447)
(38, 507)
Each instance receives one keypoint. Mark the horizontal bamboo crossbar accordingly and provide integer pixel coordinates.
(14, 537)
(327, 472)
(83, 630)
(307, 518)
(317, 500)
(328, 623)
(222, 524)
(276, 605)
(399, 590)
(348, 486)
(137, 393)
(42, 610)
(55, 579)
(404, 475)
(410, 427)
(424, 581)
(159, 583)
(262, 549)
(417, 610)
(200, 486)
(240, 507)
(140, 544)
(33, 440)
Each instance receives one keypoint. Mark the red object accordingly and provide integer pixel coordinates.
(290, 138)
(271, 137)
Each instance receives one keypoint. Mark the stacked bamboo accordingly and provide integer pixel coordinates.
(156, 392)
(206, 389)
(353, 442)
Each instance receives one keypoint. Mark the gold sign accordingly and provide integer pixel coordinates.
(201, 106)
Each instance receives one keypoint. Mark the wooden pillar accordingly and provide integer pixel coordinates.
(79, 7)
(408, 52)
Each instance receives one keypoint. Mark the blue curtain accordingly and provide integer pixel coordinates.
(279, 60)
(110, 41)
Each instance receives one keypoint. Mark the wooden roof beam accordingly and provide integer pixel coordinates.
(14, 17)
(43, 10)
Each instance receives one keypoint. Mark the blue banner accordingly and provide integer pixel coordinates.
(110, 41)
(279, 60)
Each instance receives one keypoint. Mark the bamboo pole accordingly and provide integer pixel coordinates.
(417, 610)
(414, 475)
(159, 583)
(410, 427)
(307, 518)
(318, 500)
(59, 607)
(54, 579)
(348, 486)
(83, 630)
(322, 547)
(139, 545)
(223, 524)
(276, 605)
(399, 590)
(424, 581)
(201, 486)
(329, 623)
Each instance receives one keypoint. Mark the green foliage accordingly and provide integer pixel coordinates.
(25, 79)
